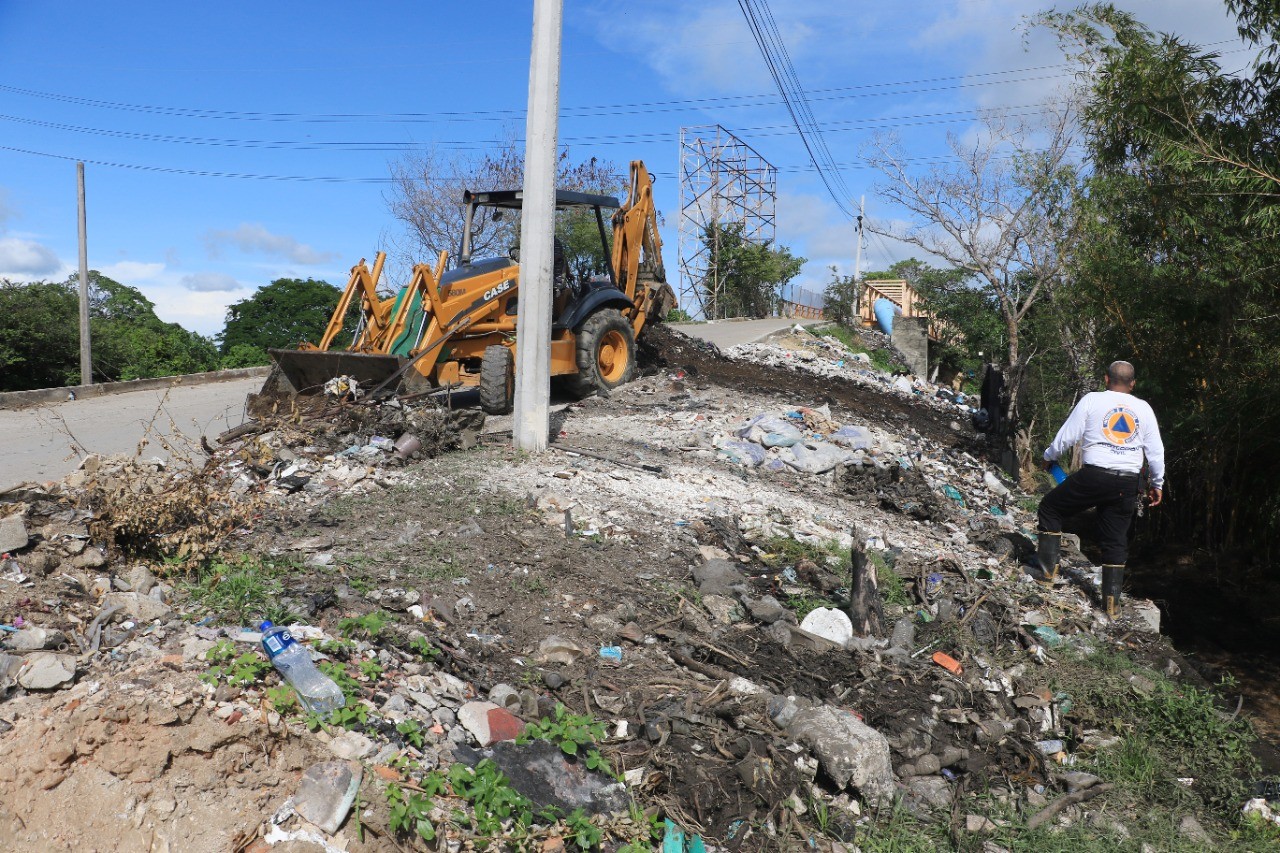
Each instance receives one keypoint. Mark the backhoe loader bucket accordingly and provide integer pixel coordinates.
(308, 370)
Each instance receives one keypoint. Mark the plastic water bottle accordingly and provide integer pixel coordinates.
(1058, 474)
(317, 691)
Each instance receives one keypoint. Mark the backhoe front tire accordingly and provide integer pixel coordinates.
(497, 380)
(606, 352)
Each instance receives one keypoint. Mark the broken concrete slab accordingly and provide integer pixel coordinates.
(718, 577)
(488, 723)
(47, 671)
(848, 750)
(13, 534)
(141, 607)
(352, 746)
(327, 792)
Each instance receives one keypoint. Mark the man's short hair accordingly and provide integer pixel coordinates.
(1120, 372)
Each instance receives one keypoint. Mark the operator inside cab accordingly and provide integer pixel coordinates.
(561, 281)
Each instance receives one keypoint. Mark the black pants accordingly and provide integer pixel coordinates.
(1114, 494)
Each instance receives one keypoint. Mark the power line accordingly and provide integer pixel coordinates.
(784, 77)
(888, 123)
(473, 116)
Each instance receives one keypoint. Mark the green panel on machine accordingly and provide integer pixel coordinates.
(403, 345)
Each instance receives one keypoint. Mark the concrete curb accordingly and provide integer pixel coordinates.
(21, 399)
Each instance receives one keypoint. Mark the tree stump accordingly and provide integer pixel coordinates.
(866, 608)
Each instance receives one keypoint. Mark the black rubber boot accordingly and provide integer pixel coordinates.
(1112, 584)
(1048, 555)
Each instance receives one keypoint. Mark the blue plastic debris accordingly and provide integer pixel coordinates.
(613, 653)
(675, 841)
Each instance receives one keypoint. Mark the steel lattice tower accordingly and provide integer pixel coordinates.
(723, 181)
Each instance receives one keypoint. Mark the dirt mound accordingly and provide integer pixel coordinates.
(142, 765)
(664, 348)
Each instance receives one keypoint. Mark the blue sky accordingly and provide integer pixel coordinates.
(168, 102)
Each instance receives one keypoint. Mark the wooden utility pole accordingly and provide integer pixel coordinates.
(531, 420)
(86, 351)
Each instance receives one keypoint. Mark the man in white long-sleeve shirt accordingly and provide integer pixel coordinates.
(1117, 432)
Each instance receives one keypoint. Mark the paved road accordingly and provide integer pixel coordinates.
(38, 443)
(727, 333)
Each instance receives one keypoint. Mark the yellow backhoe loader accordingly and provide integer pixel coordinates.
(458, 328)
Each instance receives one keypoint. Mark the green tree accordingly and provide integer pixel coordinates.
(283, 314)
(745, 279)
(39, 335)
(131, 342)
(840, 299)
(244, 355)
(1179, 262)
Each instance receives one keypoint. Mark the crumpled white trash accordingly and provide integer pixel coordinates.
(830, 624)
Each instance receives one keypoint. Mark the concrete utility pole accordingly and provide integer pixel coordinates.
(537, 231)
(86, 352)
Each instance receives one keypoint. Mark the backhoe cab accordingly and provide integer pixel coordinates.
(458, 328)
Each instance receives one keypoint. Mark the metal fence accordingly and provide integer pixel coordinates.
(800, 302)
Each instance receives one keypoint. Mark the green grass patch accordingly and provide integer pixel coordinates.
(244, 589)
(893, 589)
(783, 551)
(881, 359)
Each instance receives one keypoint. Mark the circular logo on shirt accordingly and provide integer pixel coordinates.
(1120, 426)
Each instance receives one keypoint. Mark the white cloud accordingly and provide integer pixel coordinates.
(991, 34)
(210, 282)
(131, 272)
(254, 238)
(20, 258)
(198, 311)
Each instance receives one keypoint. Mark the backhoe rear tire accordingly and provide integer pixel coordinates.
(606, 352)
(497, 380)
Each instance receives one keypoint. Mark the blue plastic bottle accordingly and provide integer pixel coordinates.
(1058, 474)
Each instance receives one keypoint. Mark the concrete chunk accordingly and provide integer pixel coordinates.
(848, 750)
(47, 671)
(327, 792)
(13, 534)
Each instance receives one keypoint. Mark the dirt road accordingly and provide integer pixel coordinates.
(40, 443)
(728, 333)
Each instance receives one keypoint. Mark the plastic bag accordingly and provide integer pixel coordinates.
(853, 437)
(771, 430)
(817, 457)
(745, 453)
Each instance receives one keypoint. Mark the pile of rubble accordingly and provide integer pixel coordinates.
(638, 638)
(826, 357)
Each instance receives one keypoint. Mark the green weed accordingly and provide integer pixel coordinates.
(410, 812)
(493, 800)
(235, 669)
(283, 699)
(893, 589)
(574, 734)
(241, 589)
(368, 626)
(370, 669)
(422, 646)
(412, 733)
